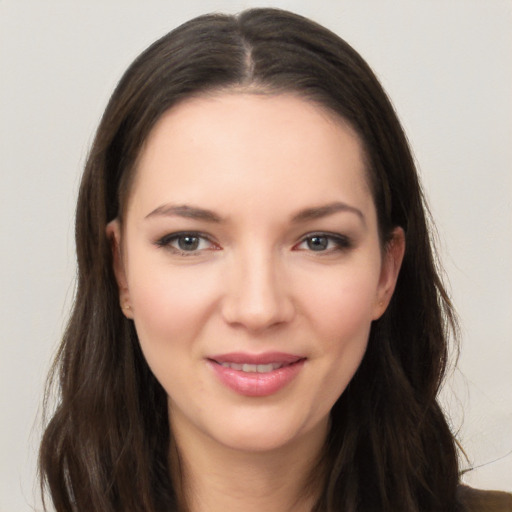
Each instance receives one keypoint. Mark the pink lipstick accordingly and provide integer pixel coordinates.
(256, 374)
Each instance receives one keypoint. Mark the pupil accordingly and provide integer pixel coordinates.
(317, 243)
(188, 243)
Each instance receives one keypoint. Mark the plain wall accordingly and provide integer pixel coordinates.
(446, 66)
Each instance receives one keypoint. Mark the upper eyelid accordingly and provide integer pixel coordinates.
(176, 234)
(327, 234)
(322, 233)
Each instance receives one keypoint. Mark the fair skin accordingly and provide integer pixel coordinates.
(250, 237)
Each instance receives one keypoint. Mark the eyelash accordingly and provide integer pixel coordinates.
(341, 242)
(167, 240)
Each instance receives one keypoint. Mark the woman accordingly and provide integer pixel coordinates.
(259, 323)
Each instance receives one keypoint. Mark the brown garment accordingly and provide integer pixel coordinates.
(476, 500)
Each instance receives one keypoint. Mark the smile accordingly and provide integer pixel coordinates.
(253, 368)
(256, 375)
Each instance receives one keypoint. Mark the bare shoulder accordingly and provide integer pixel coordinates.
(476, 500)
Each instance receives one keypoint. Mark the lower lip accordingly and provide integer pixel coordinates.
(257, 384)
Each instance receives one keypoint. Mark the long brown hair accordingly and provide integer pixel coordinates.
(107, 446)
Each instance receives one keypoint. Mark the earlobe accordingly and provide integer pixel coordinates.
(113, 232)
(391, 263)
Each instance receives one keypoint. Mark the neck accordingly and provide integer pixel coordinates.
(216, 478)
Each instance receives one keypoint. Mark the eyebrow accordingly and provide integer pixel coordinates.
(326, 210)
(189, 212)
(193, 212)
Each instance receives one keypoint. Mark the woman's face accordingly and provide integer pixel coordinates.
(251, 264)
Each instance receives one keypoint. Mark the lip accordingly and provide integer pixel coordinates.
(264, 358)
(256, 384)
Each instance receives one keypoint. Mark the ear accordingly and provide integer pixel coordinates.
(391, 263)
(113, 232)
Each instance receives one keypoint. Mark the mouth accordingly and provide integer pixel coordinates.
(256, 375)
(253, 368)
(256, 363)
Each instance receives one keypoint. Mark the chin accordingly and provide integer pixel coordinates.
(268, 433)
(257, 441)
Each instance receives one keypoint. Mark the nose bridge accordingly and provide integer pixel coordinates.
(257, 295)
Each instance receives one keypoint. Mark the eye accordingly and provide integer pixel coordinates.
(323, 242)
(185, 242)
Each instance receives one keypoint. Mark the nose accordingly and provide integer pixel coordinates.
(257, 297)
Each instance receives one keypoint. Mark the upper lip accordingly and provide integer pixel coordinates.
(264, 358)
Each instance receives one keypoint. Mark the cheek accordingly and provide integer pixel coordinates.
(166, 295)
(341, 304)
(339, 309)
(170, 307)
(169, 301)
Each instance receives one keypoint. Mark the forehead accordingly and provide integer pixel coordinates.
(249, 145)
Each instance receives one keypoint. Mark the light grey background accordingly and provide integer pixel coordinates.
(447, 67)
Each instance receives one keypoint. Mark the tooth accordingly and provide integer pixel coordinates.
(253, 368)
(264, 368)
